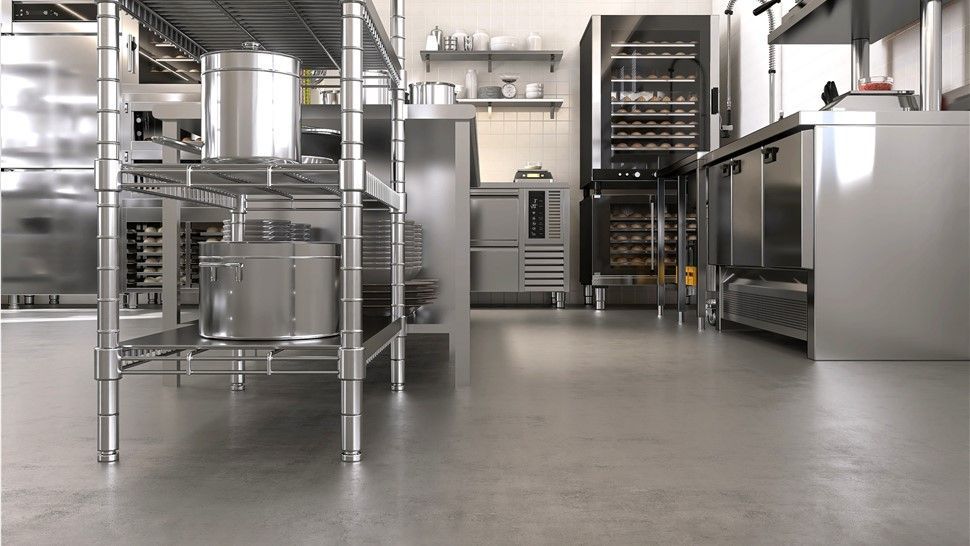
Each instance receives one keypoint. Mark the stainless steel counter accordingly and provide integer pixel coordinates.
(804, 120)
(850, 230)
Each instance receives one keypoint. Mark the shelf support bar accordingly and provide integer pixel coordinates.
(490, 63)
(398, 114)
(107, 353)
(237, 231)
(352, 367)
(552, 63)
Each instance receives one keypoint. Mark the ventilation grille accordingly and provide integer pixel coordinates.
(760, 310)
(544, 268)
(554, 215)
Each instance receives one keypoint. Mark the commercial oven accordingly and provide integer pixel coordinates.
(648, 104)
(519, 238)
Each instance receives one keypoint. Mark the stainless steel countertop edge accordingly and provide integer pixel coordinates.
(800, 121)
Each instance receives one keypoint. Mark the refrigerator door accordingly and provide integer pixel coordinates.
(49, 101)
(49, 225)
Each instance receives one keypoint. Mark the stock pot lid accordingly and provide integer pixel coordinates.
(240, 59)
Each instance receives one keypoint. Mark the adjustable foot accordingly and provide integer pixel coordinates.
(397, 387)
(588, 294)
(350, 456)
(108, 456)
(599, 294)
(237, 387)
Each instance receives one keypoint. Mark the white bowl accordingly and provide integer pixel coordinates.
(533, 94)
(504, 43)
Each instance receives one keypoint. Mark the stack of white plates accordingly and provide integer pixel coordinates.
(269, 230)
(504, 43)
(417, 293)
(533, 91)
(377, 248)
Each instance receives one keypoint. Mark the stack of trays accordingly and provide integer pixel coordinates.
(377, 248)
(270, 230)
(417, 293)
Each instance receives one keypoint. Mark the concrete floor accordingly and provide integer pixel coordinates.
(579, 427)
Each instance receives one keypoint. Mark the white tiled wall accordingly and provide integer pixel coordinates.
(804, 69)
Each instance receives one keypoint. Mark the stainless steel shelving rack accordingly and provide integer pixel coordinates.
(319, 32)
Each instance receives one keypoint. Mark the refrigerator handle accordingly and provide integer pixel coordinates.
(132, 55)
(653, 236)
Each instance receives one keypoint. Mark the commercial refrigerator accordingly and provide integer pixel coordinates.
(648, 103)
(48, 134)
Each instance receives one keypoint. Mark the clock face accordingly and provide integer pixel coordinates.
(509, 90)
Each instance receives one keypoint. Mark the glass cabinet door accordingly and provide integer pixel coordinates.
(655, 89)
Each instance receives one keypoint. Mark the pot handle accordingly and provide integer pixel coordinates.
(212, 266)
(190, 147)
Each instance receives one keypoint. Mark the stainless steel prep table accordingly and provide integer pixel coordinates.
(850, 230)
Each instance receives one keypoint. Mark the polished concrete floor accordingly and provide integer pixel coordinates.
(579, 427)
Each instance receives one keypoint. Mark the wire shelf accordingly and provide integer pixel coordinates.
(221, 184)
(310, 30)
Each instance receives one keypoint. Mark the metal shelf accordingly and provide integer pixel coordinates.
(654, 150)
(655, 103)
(322, 34)
(654, 80)
(552, 56)
(655, 114)
(185, 344)
(661, 44)
(220, 184)
(653, 56)
(658, 137)
(841, 21)
(552, 104)
(307, 29)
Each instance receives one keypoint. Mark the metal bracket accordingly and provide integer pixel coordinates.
(107, 364)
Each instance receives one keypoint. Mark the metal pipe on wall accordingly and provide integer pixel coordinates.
(398, 254)
(352, 366)
(931, 54)
(107, 369)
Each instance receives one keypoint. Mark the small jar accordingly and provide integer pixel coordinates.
(533, 42)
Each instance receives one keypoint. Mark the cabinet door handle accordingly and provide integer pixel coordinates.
(770, 154)
(736, 167)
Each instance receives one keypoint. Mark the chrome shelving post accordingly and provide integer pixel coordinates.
(237, 230)
(398, 111)
(107, 357)
(352, 365)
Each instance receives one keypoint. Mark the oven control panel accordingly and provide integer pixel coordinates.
(537, 215)
(624, 175)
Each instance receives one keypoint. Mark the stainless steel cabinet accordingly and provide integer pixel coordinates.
(747, 211)
(518, 238)
(495, 269)
(788, 177)
(47, 214)
(49, 101)
(495, 219)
